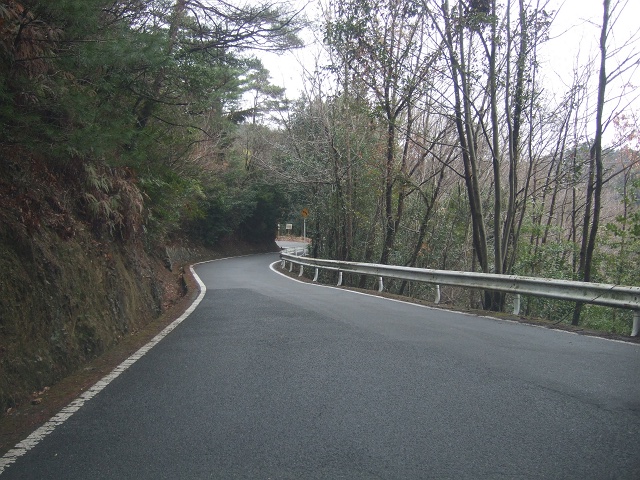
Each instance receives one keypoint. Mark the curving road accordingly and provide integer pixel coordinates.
(270, 378)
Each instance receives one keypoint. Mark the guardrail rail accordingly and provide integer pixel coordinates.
(570, 290)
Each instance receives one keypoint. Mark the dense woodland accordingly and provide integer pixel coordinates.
(425, 138)
(120, 146)
(431, 140)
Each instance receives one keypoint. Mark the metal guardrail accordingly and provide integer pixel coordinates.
(593, 293)
(293, 251)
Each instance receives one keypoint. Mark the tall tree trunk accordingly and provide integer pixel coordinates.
(509, 234)
(388, 195)
(495, 143)
(429, 204)
(590, 228)
(466, 136)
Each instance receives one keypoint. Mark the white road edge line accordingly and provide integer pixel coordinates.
(39, 434)
(275, 270)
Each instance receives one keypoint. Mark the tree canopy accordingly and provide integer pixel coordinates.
(154, 87)
(429, 137)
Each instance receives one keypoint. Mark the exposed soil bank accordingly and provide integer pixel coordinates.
(115, 337)
(78, 285)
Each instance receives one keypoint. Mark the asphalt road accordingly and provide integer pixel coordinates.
(270, 378)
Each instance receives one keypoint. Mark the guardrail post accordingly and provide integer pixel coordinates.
(617, 296)
(301, 270)
(516, 305)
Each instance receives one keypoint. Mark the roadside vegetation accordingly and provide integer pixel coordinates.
(438, 141)
(119, 158)
(136, 132)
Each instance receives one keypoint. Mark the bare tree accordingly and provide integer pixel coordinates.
(385, 45)
(625, 64)
(472, 36)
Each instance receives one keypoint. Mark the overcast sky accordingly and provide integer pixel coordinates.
(574, 37)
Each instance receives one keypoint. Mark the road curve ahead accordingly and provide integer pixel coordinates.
(270, 378)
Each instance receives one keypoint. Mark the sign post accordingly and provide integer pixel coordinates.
(304, 213)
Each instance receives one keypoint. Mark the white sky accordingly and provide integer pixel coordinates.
(287, 70)
(576, 31)
(574, 35)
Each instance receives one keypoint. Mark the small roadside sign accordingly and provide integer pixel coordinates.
(305, 213)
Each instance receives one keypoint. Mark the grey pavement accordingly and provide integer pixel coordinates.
(270, 378)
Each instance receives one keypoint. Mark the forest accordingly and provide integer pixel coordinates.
(432, 139)
(427, 136)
